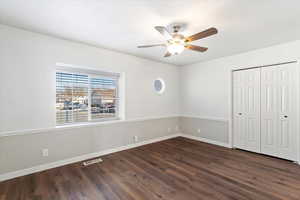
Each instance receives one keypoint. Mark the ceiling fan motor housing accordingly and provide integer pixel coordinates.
(176, 28)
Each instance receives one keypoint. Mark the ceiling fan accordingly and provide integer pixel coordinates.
(176, 42)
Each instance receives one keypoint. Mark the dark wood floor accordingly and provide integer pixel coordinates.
(173, 169)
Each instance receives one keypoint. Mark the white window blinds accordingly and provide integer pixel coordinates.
(83, 97)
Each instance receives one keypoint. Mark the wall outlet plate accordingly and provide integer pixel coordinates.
(199, 130)
(45, 152)
(135, 138)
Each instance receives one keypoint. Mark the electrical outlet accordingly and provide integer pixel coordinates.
(45, 152)
(169, 130)
(199, 131)
(135, 138)
(176, 128)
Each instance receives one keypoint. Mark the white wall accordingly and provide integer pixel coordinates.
(205, 87)
(27, 79)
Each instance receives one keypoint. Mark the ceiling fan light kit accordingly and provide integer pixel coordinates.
(176, 43)
(175, 47)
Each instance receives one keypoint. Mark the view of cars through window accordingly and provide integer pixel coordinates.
(82, 98)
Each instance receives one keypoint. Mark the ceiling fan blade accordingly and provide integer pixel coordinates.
(196, 48)
(168, 54)
(164, 32)
(203, 34)
(152, 45)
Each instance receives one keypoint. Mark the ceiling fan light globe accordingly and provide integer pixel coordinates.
(175, 48)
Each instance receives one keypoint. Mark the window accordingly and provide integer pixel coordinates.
(86, 96)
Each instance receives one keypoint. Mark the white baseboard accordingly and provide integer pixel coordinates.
(47, 166)
(201, 139)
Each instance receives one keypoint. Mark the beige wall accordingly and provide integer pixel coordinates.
(25, 151)
(211, 129)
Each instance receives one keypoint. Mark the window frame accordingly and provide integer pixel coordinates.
(91, 73)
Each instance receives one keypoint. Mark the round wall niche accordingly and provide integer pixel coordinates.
(159, 86)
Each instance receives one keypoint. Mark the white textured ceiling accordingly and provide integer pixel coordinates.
(123, 24)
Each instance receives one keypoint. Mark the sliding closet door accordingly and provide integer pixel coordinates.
(239, 128)
(246, 109)
(279, 108)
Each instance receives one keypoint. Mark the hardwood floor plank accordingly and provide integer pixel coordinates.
(175, 169)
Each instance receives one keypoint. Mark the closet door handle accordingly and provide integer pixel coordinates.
(285, 116)
(240, 113)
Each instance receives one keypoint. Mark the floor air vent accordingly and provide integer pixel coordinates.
(93, 161)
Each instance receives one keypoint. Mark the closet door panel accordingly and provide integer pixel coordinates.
(268, 110)
(279, 111)
(252, 109)
(287, 112)
(238, 110)
(246, 94)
